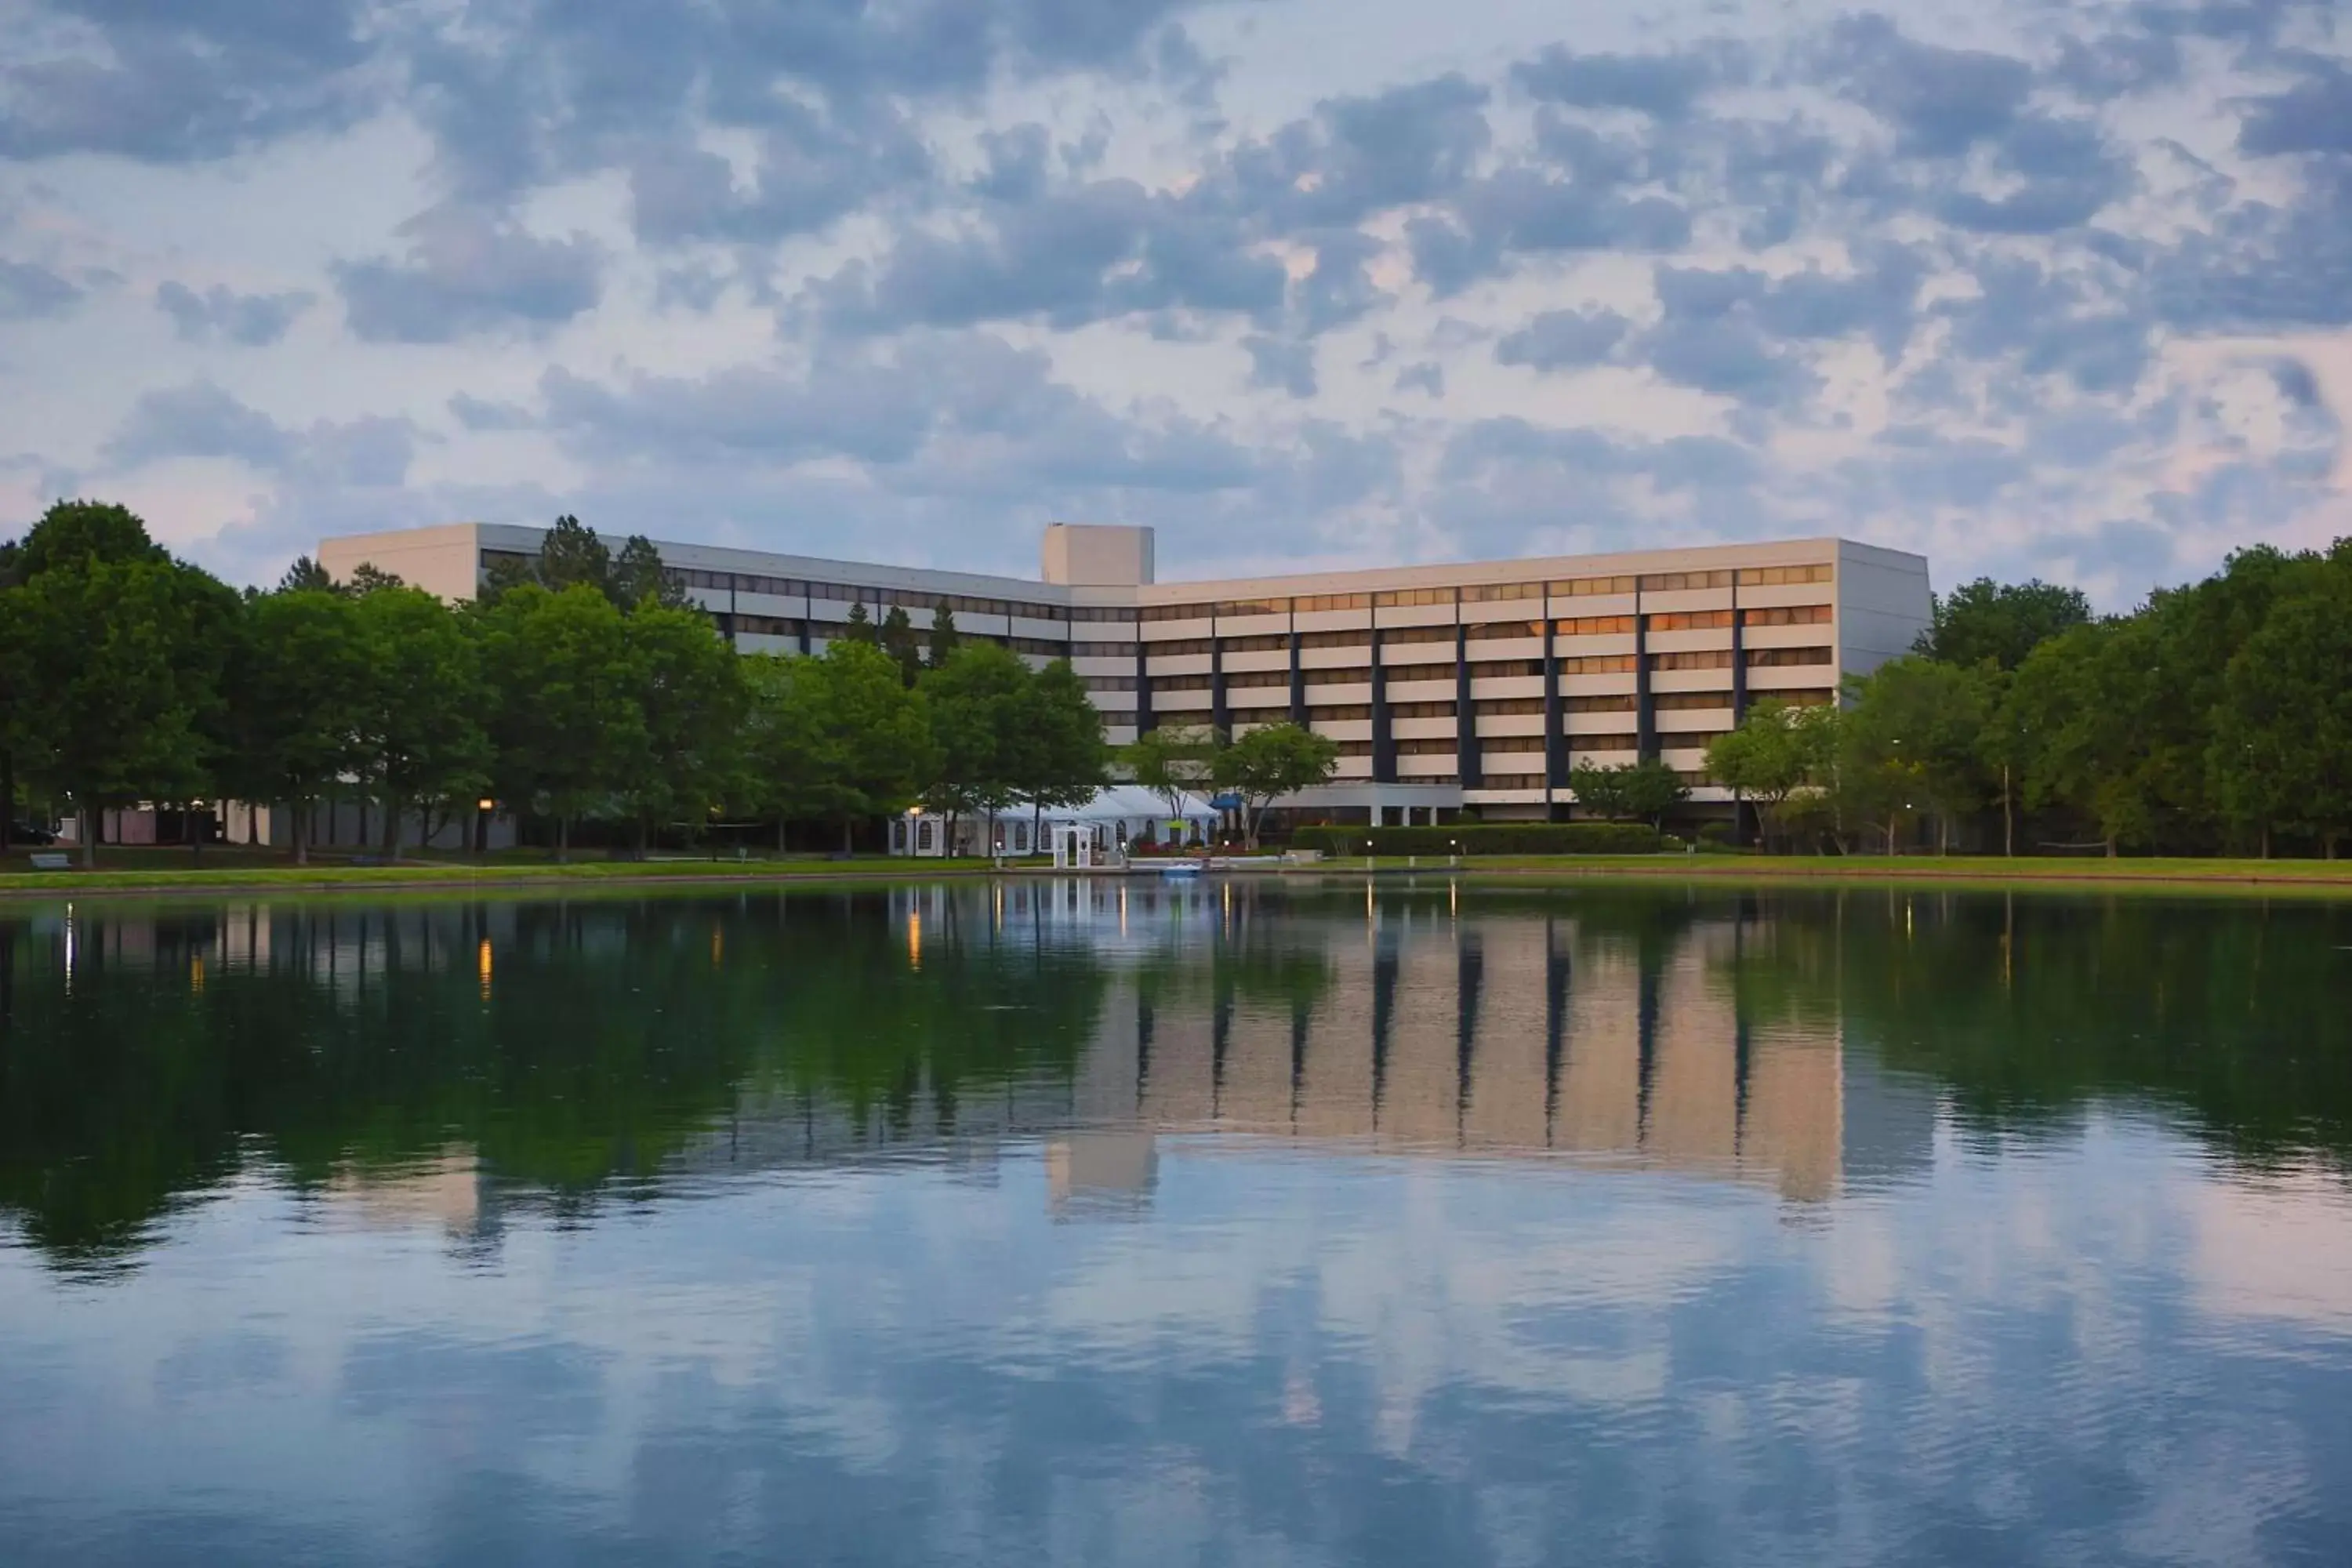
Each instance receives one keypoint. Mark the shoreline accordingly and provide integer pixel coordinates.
(2184, 875)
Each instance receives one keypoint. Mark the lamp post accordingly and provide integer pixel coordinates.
(482, 810)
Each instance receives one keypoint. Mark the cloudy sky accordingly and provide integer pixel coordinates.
(2058, 289)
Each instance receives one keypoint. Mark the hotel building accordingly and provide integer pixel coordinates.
(1472, 685)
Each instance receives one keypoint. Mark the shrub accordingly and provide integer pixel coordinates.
(1486, 838)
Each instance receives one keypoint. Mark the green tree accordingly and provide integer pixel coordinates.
(860, 628)
(1173, 762)
(2001, 623)
(2282, 747)
(1263, 764)
(419, 735)
(2087, 706)
(637, 579)
(301, 675)
(571, 555)
(791, 764)
(875, 734)
(1652, 789)
(567, 725)
(75, 532)
(1916, 735)
(1600, 790)
(306, 576)
(981, 707)
(1061, 759)
(124, 656)
(1777, 751)
(367, 577)
(944, 635)
(899, 641)
(690, 691)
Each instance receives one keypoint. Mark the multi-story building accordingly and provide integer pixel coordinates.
(1478, 684)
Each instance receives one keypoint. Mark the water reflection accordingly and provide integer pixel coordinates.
(1797, 1043)
(1105, 1223)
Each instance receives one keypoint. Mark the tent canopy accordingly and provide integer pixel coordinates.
(1130, 803)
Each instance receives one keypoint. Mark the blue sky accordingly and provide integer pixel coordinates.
(2055, 289)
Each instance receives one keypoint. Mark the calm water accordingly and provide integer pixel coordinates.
(1101, 1225)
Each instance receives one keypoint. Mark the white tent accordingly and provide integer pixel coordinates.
(1115, 817)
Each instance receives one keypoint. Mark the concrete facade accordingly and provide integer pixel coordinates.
(1477, 684)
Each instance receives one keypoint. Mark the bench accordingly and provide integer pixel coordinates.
(51, 860)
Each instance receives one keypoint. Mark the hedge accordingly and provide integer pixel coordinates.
(1486, 838)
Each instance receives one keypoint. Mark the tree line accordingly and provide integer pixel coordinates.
(578, 686)
(2216, 717)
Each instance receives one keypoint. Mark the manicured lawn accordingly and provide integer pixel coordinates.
(1978, 870)
(170, 869)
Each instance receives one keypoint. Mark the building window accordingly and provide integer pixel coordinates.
(1512, 780)
(1279, 643)
(1175, 645)
(1392, 635)
(1335, 639)
(1591, 587)
(1503, 707)
(1599, 664)
(1247, 678)
(1780, 657)
(1624, 742)
(1175, 611)
(1688, 702)
(1593, 626)
(1777, 576)
(1441, 748)
(1399, 672)
(1098, 614)
(1308, 602)
(1477, 630)
(1182, 682)
(1108, 682)
(770, 626)
(1238, 607)
(1333, 712)
(1692, 621)
(1103, 649)
(1498, 669)
(1511, 745)
(1355, 747)
(1421, 710)
(1682, 581)
(1397, 598)
(1494, 592)
(1620, 703)
(1787, 615)
(1709, 659)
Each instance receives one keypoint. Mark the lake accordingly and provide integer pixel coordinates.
(1115, 1223)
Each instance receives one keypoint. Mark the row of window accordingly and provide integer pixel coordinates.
(1494, 592)
(1586, 626)
(915, 599)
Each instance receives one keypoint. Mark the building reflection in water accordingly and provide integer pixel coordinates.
(1402, 1019)
(1396, 1027)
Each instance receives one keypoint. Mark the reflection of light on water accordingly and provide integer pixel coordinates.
(2278, 1246)
(195, 974)
(442, 1188)
(717, 946)
(69, 949)
(482, 966)
(914, 939)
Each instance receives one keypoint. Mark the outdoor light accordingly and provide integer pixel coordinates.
(486, 804)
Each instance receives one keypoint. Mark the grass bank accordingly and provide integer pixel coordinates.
(174, 872)
(2326, 877)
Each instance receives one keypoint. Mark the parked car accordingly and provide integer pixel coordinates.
(26, 833)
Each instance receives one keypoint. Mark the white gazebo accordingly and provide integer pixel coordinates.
(1113, 819)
